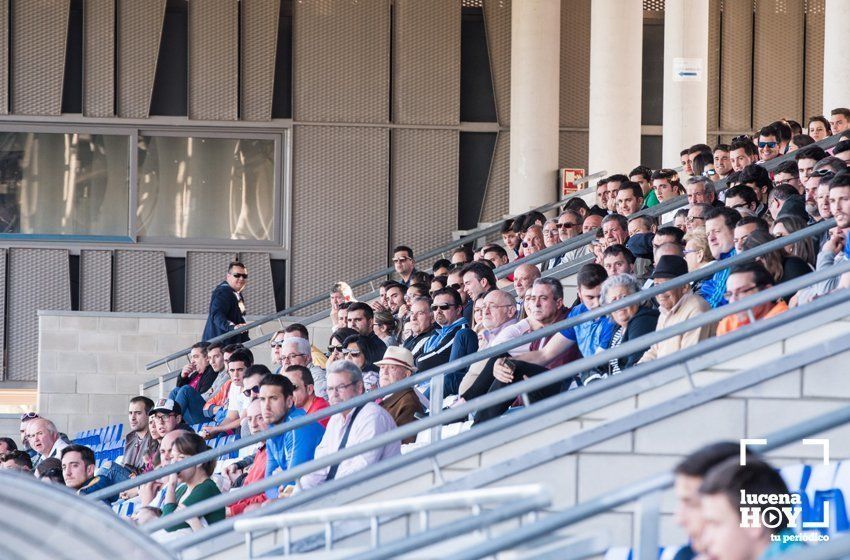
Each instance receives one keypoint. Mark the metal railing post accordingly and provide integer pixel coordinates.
(648, 522)
(437, 385)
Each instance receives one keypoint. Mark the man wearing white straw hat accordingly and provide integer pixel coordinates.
(396, 365)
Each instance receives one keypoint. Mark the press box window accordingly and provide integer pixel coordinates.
(206, 188)
(64, 184)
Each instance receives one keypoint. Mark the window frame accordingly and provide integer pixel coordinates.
(279, 132)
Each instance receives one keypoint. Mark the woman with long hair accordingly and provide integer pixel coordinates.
(197, 484)
(781, 265)
(805, 249)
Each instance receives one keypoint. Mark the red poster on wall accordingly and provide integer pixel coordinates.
(569, 176)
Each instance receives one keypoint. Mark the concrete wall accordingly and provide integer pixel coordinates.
(90, 364)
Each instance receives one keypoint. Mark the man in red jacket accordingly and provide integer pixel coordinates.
(257, 470)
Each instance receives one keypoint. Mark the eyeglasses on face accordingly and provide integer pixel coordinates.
(337, 348)
(353, 353)
(737, 294)
(240, 275)
(567, 225)
(401, 259)
(441, 307)
(276, 344)
(28, 416)
(290, 357)
(455, 286)
(340, 388)
(768, 144)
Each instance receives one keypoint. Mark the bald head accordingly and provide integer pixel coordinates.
(524, 277)
(499, 297)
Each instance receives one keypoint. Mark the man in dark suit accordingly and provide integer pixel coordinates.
(396, 365)
(227, 306)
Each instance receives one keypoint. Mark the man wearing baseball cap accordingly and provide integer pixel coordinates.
(675, 306)
(396, 365)
(168, 416)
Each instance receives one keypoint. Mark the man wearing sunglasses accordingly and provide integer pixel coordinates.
(404, 264)
(451, 340)
(227, 305)
(768, 144)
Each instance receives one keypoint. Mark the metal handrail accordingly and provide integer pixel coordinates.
(422, 505)
(506, 393)
(572, 400)
(494, 351)
(458, 528)
(469, 236)
(414, 504)
(628, 494)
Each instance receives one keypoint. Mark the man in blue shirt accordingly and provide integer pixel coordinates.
(291, 448)
(720, 228)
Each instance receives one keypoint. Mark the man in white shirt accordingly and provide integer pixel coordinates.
(350, 428)
(245, 379)
(43, 437)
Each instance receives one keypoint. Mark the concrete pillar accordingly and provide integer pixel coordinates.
(535, 90)
(616, 49)
(685, 77)
(836, 63)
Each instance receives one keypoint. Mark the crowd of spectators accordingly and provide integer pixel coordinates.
(425, 319)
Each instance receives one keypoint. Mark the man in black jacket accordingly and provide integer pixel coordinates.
(194, 384)
(227, 306)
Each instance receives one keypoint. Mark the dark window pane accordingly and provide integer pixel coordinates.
(650, 151)
(477, 103)
(279, 283)
(74, 269)
(72, 88)
(652, 96)
(282, 97)
(169, 87)
(175, 269)
(476, 153)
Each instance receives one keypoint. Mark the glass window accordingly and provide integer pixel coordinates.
(64, 184)
(219, 188)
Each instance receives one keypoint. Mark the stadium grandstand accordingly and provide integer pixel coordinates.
(462, 279)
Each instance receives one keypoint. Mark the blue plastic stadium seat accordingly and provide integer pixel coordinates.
(618, 553)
